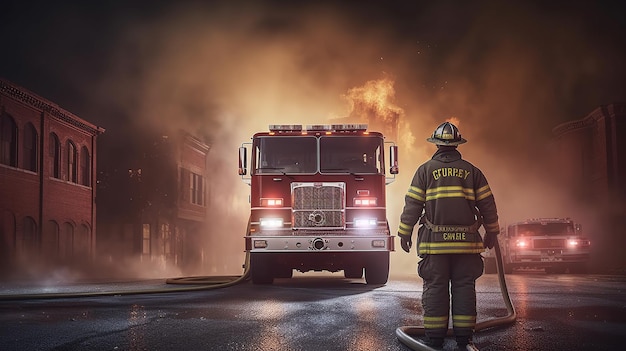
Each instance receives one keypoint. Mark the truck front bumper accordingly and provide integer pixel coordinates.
(311, 243)
(549, 256)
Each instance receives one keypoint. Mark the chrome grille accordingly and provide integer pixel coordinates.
(548, 243)
(318, 205)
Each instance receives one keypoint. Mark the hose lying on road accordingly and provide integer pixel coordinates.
(405, 333)
(194, 283)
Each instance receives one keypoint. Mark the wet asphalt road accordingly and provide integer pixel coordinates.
(311, 312)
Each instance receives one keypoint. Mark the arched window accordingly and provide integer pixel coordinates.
(8, 236)
(82, 241)
(72, 175)
(54, 154)
(30, 240)
(30, 147)
(66, 241)
(50, 239)
(85, 166)
(8, 141)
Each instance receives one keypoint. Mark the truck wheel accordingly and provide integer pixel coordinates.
(283, 272)
(556, 269)
(578, 268)
(508, 268)
(353, 272)
(261, 269)
(490, 265)
(377, 269)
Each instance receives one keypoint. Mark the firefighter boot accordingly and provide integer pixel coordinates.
(435, 343)
(464, 343)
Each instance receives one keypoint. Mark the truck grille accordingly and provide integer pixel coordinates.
(548, 243)
(318, 205)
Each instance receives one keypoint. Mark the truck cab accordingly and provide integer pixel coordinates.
(318, 201)
(554, 244)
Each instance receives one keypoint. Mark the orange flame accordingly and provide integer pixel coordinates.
(454, 120)
(373, 104)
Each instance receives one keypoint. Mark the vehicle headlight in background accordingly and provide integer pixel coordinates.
(522, 243)
(572, 243)
(577, 242)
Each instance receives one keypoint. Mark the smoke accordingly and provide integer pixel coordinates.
(224, 72)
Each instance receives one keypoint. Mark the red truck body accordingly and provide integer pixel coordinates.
(318, 202)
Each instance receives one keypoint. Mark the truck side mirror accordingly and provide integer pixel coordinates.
(243, 161)
(393, 154)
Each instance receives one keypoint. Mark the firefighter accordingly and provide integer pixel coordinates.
(451, 199)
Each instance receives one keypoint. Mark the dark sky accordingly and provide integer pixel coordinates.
(64, 51)
(509, 71)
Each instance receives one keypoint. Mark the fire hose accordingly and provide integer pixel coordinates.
(405, 334)
(192, 283)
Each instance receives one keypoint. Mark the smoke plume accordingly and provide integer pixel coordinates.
(505, 73)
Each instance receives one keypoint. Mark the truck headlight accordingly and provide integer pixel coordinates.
(522, 243)
(365, 222)
(577, 242)
(271, 222)
(572, 243)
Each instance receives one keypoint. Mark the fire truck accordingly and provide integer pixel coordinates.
(554, 244)
(317, 201)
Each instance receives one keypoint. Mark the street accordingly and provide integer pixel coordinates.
(314, 311)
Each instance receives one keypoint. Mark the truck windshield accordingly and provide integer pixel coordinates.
(299, 154)
(286, 154)
(545, 229)
(351, 154)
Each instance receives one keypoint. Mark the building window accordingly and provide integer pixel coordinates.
(85, 169)
(66, 241)
(196, 183)
(72, 169)
(145, 243)
(50, 240)
(54, 153)
(166, 235)
(82, 242)
(8, 141)
(30, 148)
(30, 239)
(8, 235)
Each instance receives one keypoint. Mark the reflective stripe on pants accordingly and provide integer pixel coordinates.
(446, 275)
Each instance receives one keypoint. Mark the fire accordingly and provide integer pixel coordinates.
(373, 104)
(455, 121)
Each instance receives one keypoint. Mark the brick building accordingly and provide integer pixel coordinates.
(47, 182)
(592, 150)
(591, 153)
(152, 200)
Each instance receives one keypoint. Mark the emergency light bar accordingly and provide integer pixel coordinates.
(336, 127)
(318, 128)
(285, 127)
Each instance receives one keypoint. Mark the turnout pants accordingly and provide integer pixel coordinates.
(446, 275)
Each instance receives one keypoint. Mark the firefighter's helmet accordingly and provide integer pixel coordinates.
(446, 134)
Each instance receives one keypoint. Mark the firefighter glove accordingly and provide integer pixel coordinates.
(405, 242)
(490, 240)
